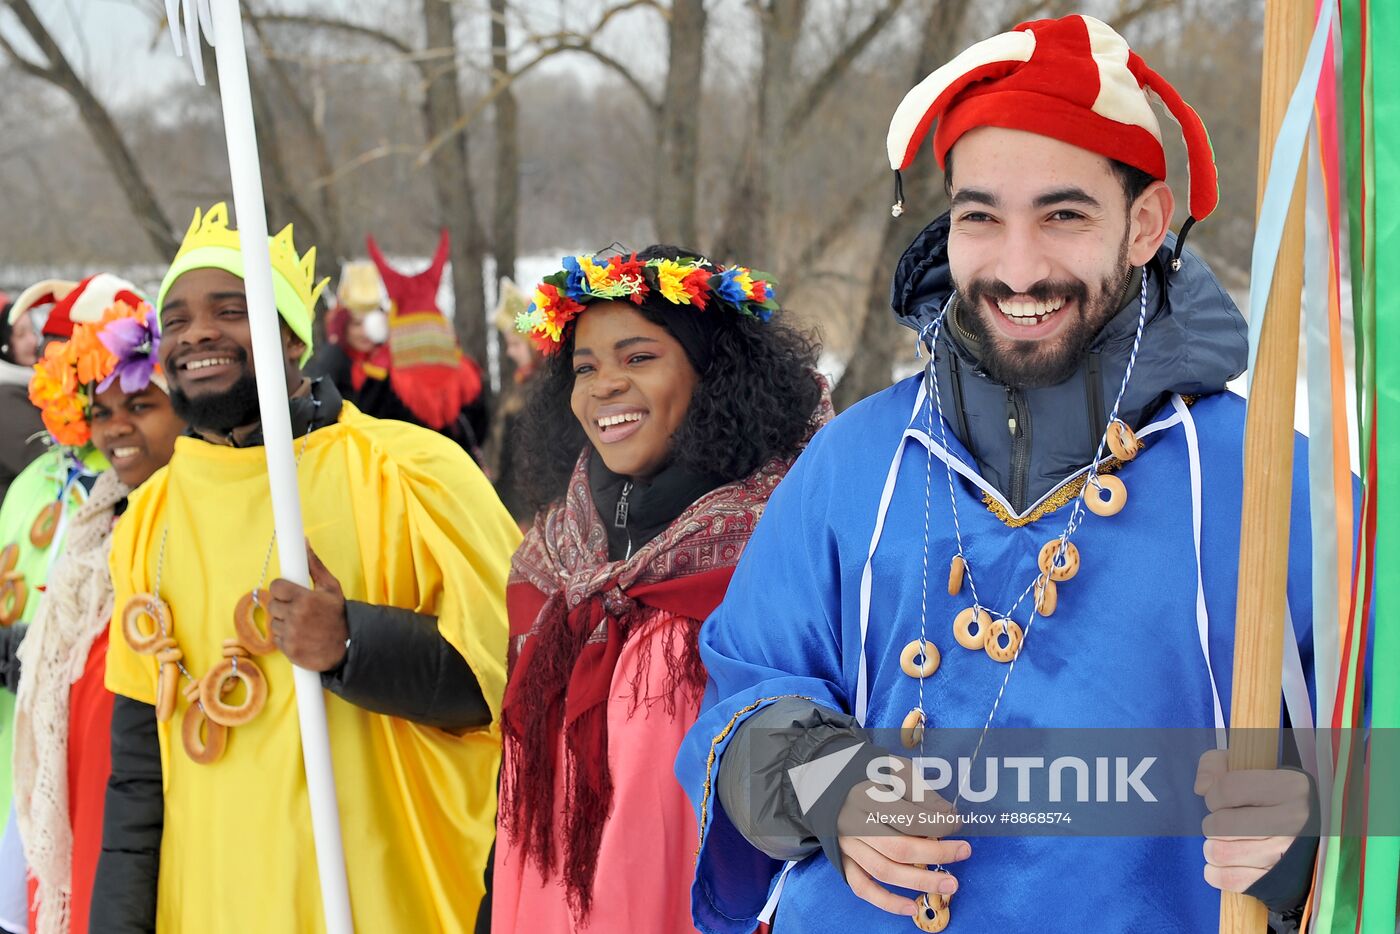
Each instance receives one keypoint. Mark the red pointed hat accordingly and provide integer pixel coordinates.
(1073, 79)
(427, 369)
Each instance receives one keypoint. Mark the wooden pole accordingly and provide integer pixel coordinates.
(1260, 612)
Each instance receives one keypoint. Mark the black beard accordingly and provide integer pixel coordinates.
(222, 413)
(1027, 364)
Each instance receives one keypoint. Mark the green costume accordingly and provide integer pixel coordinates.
(41, 483)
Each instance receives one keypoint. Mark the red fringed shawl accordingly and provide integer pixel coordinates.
(571, 612)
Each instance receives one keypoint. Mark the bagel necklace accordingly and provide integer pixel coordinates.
(14, 589)
(14, 592)
(45, 525)
(977, 627)
(206, 722)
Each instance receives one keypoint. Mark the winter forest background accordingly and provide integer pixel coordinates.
(750, 130)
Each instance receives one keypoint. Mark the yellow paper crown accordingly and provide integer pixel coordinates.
(211, 228)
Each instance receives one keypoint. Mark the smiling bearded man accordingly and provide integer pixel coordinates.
(1076, 354)
(408, 548)
(1038, 332)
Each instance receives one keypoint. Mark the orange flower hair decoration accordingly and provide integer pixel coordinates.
(65, 382)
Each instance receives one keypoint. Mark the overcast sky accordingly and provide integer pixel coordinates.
(108, 41)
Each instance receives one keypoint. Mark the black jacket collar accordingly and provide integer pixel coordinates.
(650, 505)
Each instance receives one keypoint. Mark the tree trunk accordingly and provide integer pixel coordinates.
(505, 216)
(330, 237)
(280, 198)
(748, 233)
(679, 150)
(506, 210)
(872, 359)
(734, 243)
(283, 205)
(133, 184)
(442, 108)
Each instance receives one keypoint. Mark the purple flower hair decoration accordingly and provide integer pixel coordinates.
(135, 342)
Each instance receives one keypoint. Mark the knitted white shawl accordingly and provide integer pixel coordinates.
(76, 607)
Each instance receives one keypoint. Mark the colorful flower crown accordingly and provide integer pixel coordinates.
(586, 278)
(122, 346)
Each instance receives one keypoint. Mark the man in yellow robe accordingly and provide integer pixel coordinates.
(208, 827)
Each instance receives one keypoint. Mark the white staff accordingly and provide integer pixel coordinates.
(222, 25)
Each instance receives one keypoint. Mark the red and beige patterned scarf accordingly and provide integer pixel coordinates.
(571, 612)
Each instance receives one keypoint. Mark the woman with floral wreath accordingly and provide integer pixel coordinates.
(671, 401)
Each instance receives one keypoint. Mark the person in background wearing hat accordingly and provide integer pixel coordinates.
(1076, 355)
(33, 522)
(21, 441)
(395, 355)
(21, 432)
(105, 382)
(356, 353)
(503, 446)
(208, 826)
(40, 500)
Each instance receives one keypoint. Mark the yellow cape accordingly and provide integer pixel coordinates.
(402, 517)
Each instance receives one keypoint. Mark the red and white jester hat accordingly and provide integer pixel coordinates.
(74, 302)
(1073, 79)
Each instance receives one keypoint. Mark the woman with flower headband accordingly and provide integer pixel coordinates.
(34, 518)
(103, 386)
(668, 407)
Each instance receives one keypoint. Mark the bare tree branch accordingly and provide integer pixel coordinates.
(481, 103)
(1129, 14)
(103, 129)
(869, 367)
(355, 29)
(839, 65)
(425, 154)
(555, 44)
(622, 71)
(25, 65)
(281, 192)
(40, 179)
(840, 222)
(369, 156)
(603, 20)
(419, 60)
(465, 120)
(1023, 12)
(330, 235)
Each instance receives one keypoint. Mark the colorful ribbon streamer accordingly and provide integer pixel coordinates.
(1355, 600)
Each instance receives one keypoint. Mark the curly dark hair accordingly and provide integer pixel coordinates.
(754, 399)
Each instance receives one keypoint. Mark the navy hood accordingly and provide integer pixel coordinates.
(1194, 342)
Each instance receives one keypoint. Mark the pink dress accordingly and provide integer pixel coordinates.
(646, 861)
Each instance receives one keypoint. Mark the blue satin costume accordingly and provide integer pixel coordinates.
(1122, 650)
